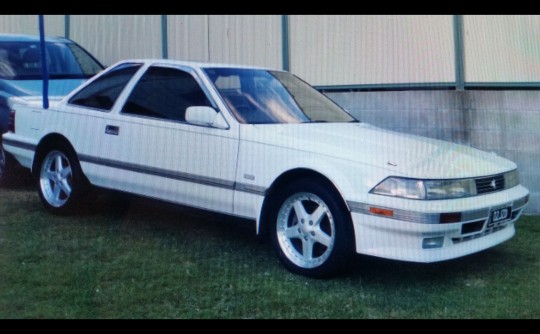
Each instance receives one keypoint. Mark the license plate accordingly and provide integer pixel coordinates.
(500, 216)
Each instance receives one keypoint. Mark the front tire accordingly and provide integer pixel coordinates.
(311, 229)
(61, 181)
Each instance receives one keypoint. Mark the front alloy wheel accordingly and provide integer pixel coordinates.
(306, 230)
(311, 228)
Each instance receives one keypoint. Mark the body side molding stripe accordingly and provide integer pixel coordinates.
(248, 188)
(209, 181)
(19, 144)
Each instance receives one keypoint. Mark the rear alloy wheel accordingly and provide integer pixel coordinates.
(61, 183)
(311, 230)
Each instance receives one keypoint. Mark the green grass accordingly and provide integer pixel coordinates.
(149, 260)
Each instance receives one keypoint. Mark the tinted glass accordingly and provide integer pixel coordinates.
(165, 93)
(103, 92)
(266, 97)
(22, 61)
(87, 63)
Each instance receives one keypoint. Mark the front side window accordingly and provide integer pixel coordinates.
(269, 97)
(165, 93)
(103, 92)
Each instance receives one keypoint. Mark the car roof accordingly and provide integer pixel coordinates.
(193, 64)
(31, 38)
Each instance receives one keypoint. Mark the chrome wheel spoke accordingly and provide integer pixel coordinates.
(307, 249)
(50, 176)
(322, 238)
(58, 165)
(65, 187)
(56, 192)
(300, 211)
(293, 232)
(318, 215)
(65, 172)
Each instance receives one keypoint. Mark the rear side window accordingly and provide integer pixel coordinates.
(103, 92)
(165, 93)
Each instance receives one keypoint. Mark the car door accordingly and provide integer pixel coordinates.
(151, 150)
(82, 118)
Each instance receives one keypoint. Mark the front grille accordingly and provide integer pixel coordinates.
(485, 185)
(473, 227)
(479, 235)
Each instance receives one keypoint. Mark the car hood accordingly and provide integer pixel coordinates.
(401, 154)
(57, 87)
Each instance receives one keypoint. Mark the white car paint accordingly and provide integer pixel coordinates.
(231, 170)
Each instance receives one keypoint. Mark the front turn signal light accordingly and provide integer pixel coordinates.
(381, 212)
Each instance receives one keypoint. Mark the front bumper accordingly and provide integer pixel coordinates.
(403, 239)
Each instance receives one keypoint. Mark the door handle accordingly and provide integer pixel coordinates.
(112, 130)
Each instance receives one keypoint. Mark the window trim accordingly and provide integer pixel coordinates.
(186, 69)
(96, 78)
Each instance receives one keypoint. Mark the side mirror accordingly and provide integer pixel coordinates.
(205, 116)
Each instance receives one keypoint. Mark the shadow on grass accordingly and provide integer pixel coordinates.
(22, 180)
(162, 219)
(158, 215)
(372, 269)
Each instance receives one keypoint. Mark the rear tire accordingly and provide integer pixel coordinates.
(311, 229)
(62, 184)
(8, 169)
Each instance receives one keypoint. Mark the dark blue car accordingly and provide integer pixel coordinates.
(68, 63)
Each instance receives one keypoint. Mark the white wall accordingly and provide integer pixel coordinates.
(246, 39)
(325, 50)
(187, 37)
(115, 37)
(28, 24)
(241, 39)
(340, 50)
(502, 48)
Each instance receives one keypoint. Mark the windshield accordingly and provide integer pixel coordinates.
(270, 97)
(22, 61)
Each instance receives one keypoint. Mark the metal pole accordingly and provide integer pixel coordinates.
(285, 43)
(164, 40)
(44, 66)
(459, 53)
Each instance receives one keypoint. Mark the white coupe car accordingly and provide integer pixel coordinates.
(264, 145)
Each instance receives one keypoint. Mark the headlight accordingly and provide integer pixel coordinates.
(439, 189)
(511, 179)
(401, 187)
(444, 189)
(425, 189)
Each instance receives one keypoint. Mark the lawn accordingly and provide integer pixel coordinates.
(142, 259)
